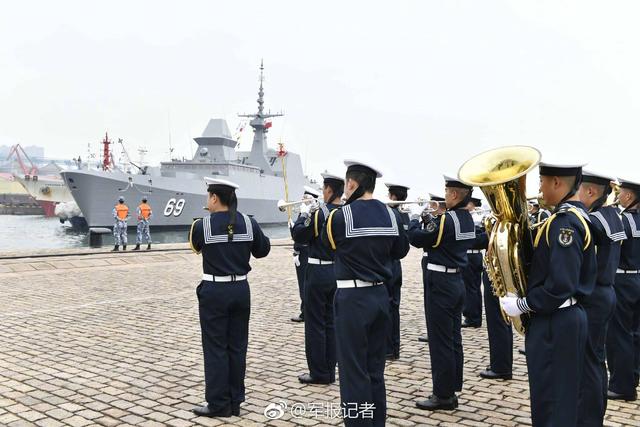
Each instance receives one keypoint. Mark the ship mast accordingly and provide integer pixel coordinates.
(260, 125)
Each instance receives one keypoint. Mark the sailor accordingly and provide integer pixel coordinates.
(366, 236)
(472, 276)
(320, 284)
(120, 216)
(563, 271)
(397, 192)
(537, 215)
(144, 216)
(622, 343)
(300, 256)
(226, 239)
(429, 214)
(447, 241)
(607, 233)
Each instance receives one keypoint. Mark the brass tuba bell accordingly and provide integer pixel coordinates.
(501, 175)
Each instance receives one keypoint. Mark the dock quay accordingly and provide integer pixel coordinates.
(95, 338)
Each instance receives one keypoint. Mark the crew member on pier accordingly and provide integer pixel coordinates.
(144, 217)
(120, 216)
(366, 236)
(320, 284)
(227, 239)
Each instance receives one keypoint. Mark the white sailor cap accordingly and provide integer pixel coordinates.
(218, 181)
(329, 176)
(394, 185)
(312, 191)
(630, 185)
(356, 165)
(557, 169)
(455, 182)
(596, 178)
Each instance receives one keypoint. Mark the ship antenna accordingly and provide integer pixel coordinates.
(261, 91)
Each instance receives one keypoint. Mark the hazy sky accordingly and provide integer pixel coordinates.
(419, 86)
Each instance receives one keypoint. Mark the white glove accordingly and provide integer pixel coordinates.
(513, 305)
(309, 208)
(291, 223)
(296, 260)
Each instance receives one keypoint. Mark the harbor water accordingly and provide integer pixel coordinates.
(33, 232)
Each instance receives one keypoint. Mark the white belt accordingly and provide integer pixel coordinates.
(355, 283)
(474, 251)
(569, 302)
(442, 268)
(232, 278)
(621, 271)
(317, 261)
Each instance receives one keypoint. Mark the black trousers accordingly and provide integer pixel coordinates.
(425, 285)
(599, 307)
(500, 332)
(555, 353)
(224, 319)
(445, 297)
(622, 342)
(472, 276)
(394, 290)
(362, 323)
(319, 331)
(301, 273)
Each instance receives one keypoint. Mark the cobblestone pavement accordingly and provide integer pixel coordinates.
(114, 339)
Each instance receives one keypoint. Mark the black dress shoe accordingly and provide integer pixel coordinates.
(204, 411)
(490, 375)
(612, 395)
(308, 379)
(434, 403)
(467, 324)
(522, 351)
(298, 319)
(423, 338)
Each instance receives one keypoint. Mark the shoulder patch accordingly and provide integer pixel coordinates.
(565, 237)
(431, 226)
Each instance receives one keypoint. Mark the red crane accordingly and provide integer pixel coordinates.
(19, 153)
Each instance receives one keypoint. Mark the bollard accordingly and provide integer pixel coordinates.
(95, 236)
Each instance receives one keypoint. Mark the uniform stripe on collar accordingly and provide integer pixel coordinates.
(635, 232)
(210, 238)
(456, 225)
(352, 231)
(616, 237)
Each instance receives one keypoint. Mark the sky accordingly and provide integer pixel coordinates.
(416, 87)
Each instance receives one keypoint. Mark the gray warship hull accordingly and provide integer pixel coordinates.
(175, 201)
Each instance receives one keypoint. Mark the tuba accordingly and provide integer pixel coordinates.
(501, 175)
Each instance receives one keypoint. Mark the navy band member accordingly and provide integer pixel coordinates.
(300, 257)
(622, 343)
(427, 217)
(472, 276)
(227, 239)
(563, 271)
(320, 284)
(397, 192)
(607, 233)
(537, 215)
(366, 236)
(447, 242)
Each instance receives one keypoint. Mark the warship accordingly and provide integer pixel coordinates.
(176, 190)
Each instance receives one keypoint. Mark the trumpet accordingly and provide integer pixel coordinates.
(284, 205)
(420, 202)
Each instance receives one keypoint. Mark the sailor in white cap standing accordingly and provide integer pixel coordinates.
(563, 271)
(227, 239)
(623, 352)
(319, 284)
(300, 257)
(397, 192)
(366, 236)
